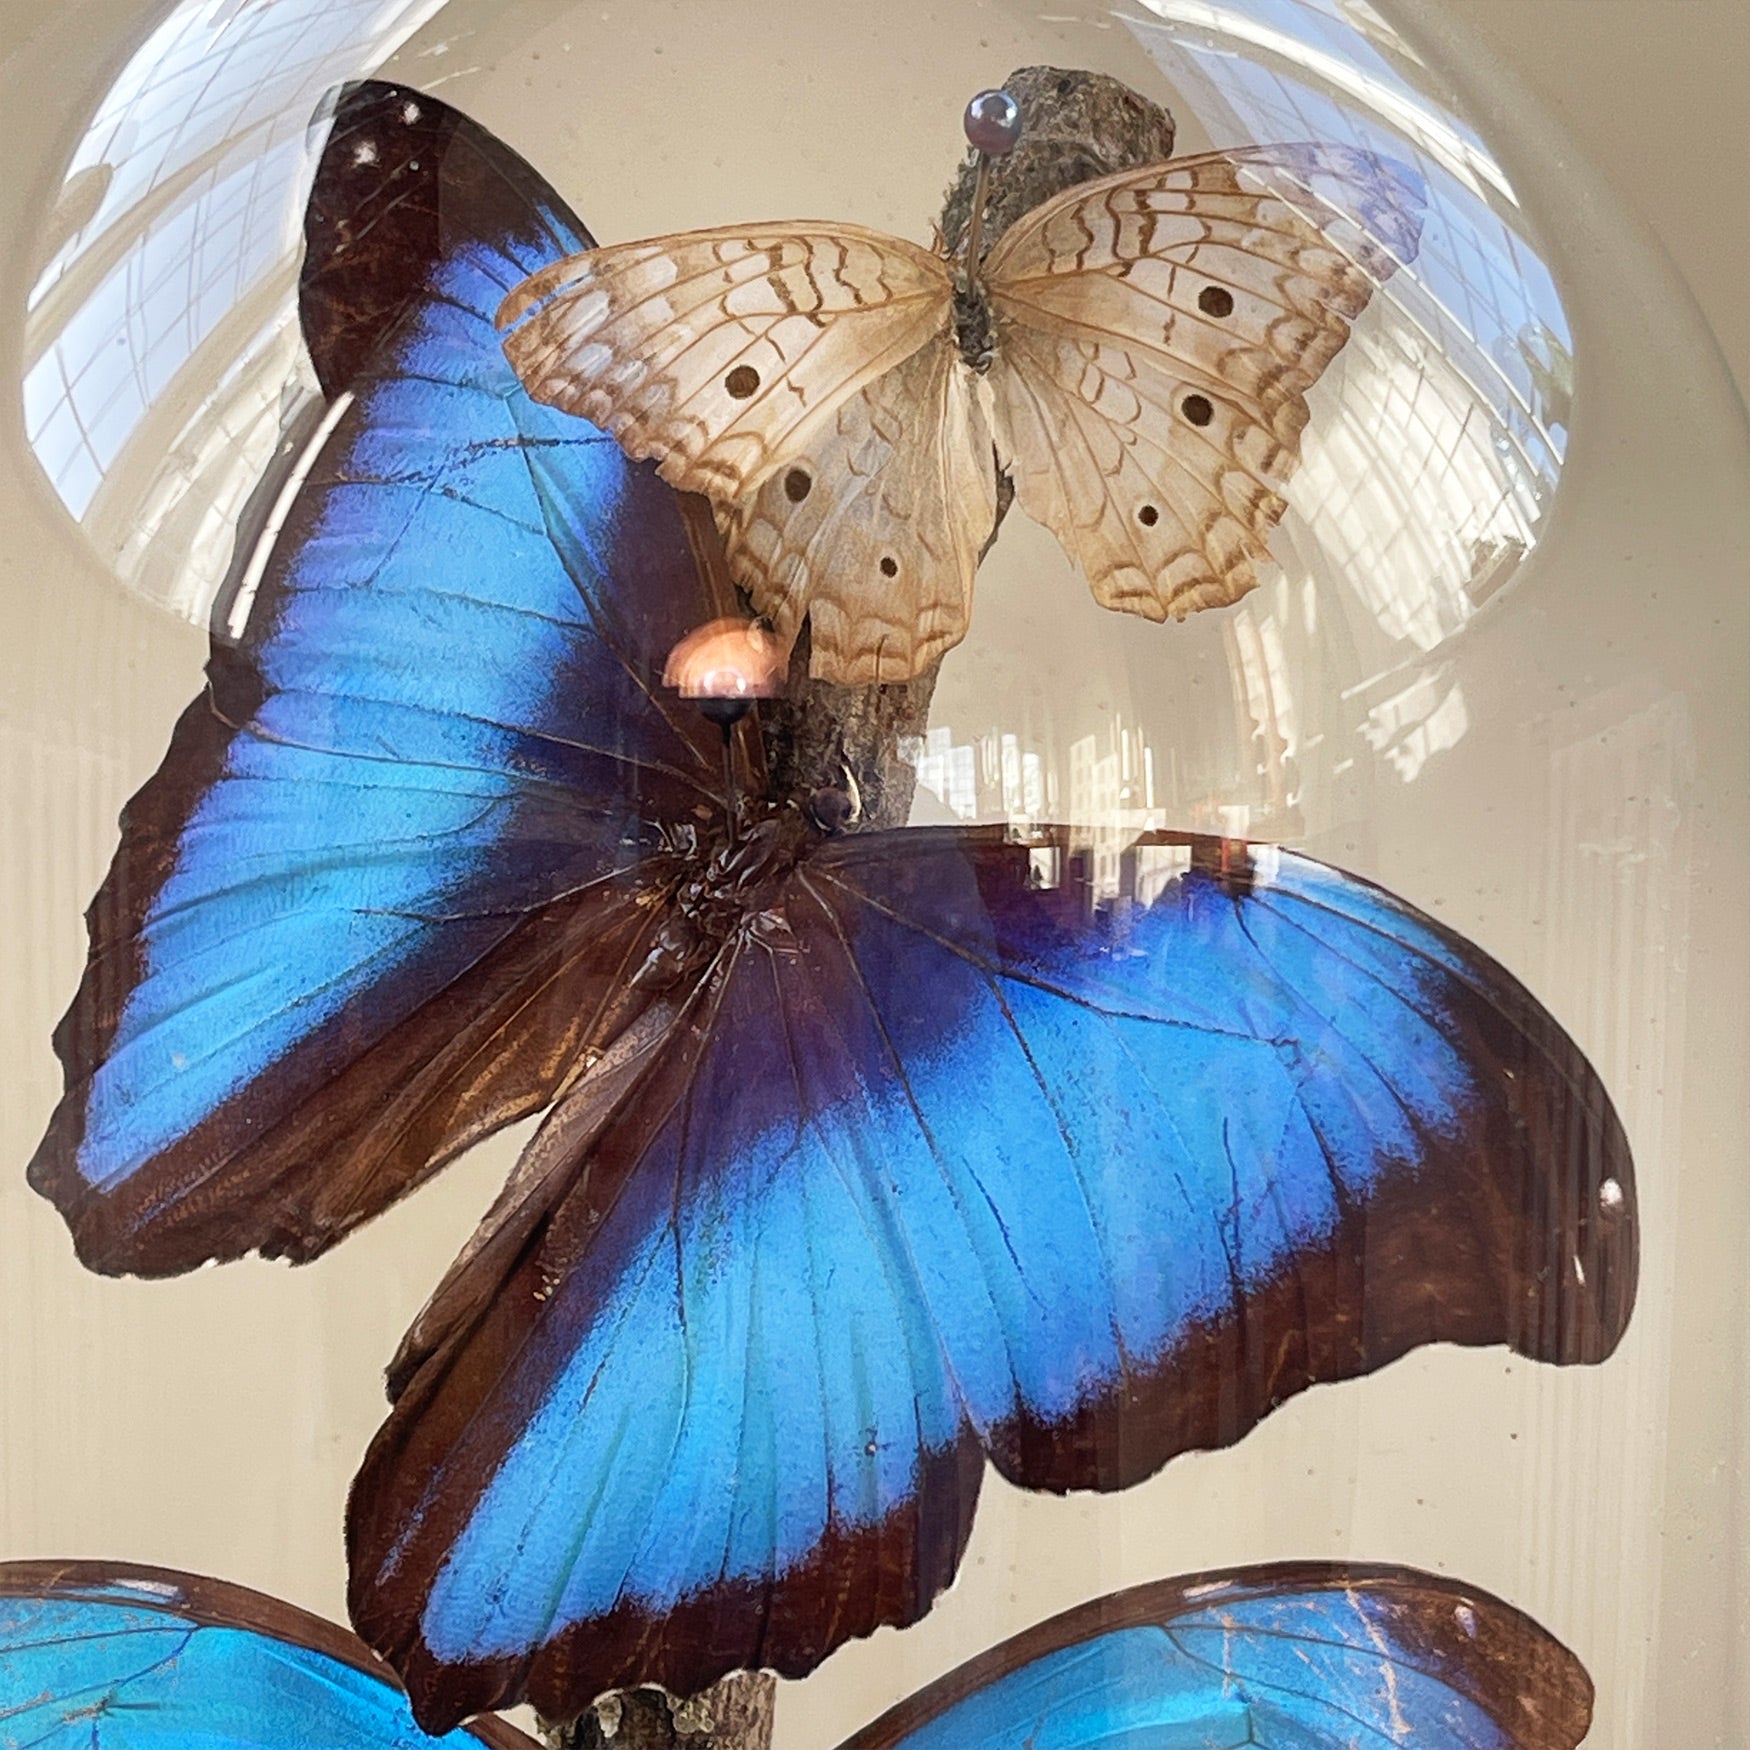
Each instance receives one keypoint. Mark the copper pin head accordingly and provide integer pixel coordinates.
(725, 665)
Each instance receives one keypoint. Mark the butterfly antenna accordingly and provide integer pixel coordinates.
(993, 127)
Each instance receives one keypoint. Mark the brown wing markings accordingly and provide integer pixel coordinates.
(646, 341)
(1228, 563)
(901, 471)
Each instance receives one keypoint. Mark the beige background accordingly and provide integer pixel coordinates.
(1597, 842)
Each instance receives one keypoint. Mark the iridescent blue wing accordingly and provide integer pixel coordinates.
(100, 1657)
(371, 905)
(1309, 1656)
(938, 1164)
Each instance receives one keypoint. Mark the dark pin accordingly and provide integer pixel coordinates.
(993, 128)
(723, 667)
(725, 712)
(993, 123)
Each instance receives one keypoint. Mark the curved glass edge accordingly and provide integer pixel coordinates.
(162, 361)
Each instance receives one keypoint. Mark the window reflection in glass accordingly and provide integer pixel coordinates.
(163, 362)
(1438, 434)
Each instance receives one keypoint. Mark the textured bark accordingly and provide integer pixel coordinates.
(735, 1714)
(1075, 126)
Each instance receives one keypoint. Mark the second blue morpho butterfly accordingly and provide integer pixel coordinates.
(871, 1158)
(1305, 1656)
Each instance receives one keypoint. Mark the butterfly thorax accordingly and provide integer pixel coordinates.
(730, 889)
(1076, 126)
(975, 331)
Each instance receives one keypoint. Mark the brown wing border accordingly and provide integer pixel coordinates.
(1550, 1712)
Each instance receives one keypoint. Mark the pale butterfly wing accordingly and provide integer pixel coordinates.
(875, 533)
(1157, 332)
(1163, 514)
(721, 352)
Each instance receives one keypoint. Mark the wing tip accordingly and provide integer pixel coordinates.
(53, 1173)
(1388, 197)
(854, 1582)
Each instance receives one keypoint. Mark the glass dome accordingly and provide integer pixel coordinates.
(1492, 669)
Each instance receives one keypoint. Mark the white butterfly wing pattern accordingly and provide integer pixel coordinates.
(875, 533)
(1162, 513)
(1155, 336)
(1157, 332)
(720, 352)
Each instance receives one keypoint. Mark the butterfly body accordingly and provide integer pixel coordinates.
(868, 1158)
(975, 328)
(726, 895)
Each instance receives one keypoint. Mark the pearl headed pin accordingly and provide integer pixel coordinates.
(993, 128)
(993, 123)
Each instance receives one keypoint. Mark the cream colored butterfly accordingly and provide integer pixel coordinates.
(1135, 352)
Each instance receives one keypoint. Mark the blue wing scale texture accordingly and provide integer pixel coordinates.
(437, 723)
(809, 1276)
(1307, 1656)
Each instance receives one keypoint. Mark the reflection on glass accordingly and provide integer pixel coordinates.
(162, 360)
(164, 375)
(1439, 433)
(1436, 442)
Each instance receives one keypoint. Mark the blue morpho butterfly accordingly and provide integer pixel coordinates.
(1311, 1656)
(870, 1156)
